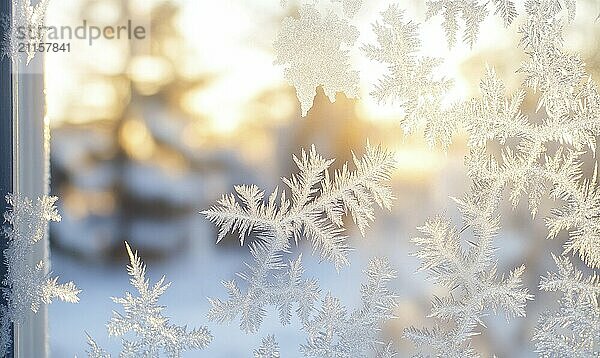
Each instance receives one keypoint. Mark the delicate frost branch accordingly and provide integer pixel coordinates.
(528, 169)
(572, 108)
(318, 202)
(94, 350)
(143, 317)
(26, 286)
(469, 274)
(570, 280)
(268, 348)
(573, 330)
(284, 291)
(314, 52)
(387, 352)
(334, 332)
(550, 70)
(472, 13)
(571, 102)
(506, 10)
(410, 80)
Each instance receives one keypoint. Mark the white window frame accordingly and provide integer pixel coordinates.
(24, 167)
(31, 179)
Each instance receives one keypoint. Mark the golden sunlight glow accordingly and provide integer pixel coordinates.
(95, 99)
(194, 134)
(213, 104)
(415, 163)
(136, 139)
(80, 203)
(150, 73)
(243, 70)
(171, 162)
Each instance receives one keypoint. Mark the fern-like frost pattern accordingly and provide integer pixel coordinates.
(317, 204)
(411, 79)
(570, 102)
(574, 329)
(27, 287)
(143, 317)
(471, 13)
(335, 332)
(269, 348)
(471, 276)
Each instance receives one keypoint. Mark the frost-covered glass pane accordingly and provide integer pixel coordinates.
(328, 178)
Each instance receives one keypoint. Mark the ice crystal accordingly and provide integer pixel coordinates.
(574, 329)
(268, 348)
(411, 79)
(94, 350)
(144, 318)
(495, 116)
(318, 202)
(470, 274)
(570, 280)
(506, 10)
(571, 108)
(29, 20)
(27, 286)
(387, 352)
(334, 332)
(284, 290)
(314, 52)
(471, 13)
(579, 213)
(351, 7)
(549, 70)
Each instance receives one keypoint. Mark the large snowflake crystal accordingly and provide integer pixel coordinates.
(470, 274)
(335, 332)
(27, 286)
(574, 329)
(471, 13)
(143, 317)
(314, 52)
(317, 204)
(411, 79)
